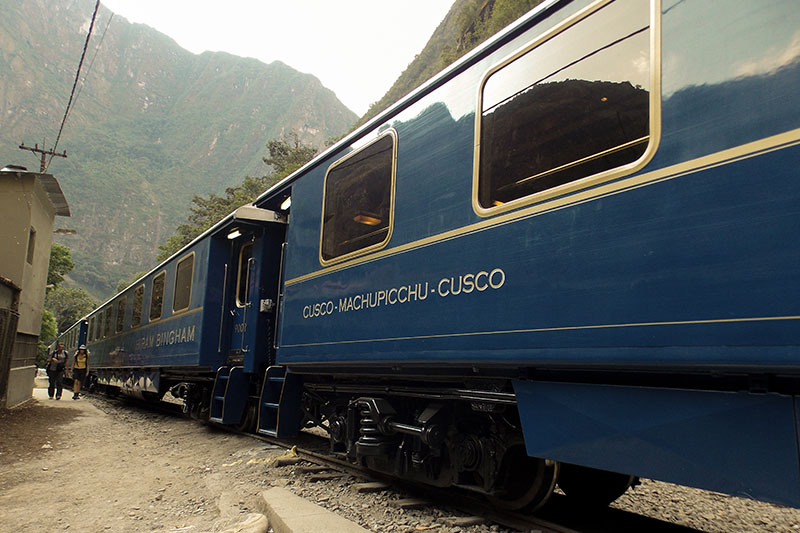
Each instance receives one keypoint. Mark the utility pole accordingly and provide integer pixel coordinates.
(44, 153)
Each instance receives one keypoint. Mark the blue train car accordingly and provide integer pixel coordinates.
(570, 258)
(201, 312)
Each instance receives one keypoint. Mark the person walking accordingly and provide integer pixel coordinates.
(80, 367)
(56, 365)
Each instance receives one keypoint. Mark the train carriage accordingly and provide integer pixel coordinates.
(194, 314)
(567, 259)
(590, 218)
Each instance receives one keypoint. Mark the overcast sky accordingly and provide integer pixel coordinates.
(357, 48)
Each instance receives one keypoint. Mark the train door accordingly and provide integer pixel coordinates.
(251, 294)
(241, 302)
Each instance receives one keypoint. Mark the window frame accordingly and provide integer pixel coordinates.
(593, 179)
(152, 290)
(390, 132)
(240, 303)
(120, 304)
(186, 257)
(98, 326)
(134, 323)
(108, 321)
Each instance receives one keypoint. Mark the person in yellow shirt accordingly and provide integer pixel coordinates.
(80, 367)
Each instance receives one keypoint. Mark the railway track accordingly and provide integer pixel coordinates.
(556, 517)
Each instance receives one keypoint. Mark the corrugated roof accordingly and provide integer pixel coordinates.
(50, 185)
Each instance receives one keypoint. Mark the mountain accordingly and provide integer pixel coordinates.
(151, 126)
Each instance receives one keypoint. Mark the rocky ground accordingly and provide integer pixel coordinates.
(96, 466)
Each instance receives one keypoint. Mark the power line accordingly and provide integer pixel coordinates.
(77, 77)
(91, 63)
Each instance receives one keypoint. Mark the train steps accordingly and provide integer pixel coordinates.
(279, 406)
(229, 397)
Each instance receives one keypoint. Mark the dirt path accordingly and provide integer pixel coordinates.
(69, 465)
(92, 466)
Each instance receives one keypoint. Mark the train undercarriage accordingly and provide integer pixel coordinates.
(443, 433)
(463, 437)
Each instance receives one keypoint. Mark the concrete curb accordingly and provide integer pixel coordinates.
(288, 513)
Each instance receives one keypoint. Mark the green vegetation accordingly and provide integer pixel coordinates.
(285, 156)
(47, 335)
(68, 305)
(63, 306)
(60, 263)
(480, 19)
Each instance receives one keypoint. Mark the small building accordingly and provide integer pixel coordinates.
(29, 202)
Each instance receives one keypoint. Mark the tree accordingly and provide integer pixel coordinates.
(68, 305)
(47, 335)
(288, 154)
(207, 211)
(285, 156)
(60, 263)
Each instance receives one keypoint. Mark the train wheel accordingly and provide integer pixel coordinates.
(526, 482)
(590, 487)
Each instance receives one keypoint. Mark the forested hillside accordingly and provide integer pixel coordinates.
(467, 24)
(152, 125)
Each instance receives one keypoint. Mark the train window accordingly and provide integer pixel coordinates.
(358, 201)
(243, 281)
(573, 105)
(157, 296)
(120, 314)
(108, 321)
(138, 304)
(183, 283)
(98, 333)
